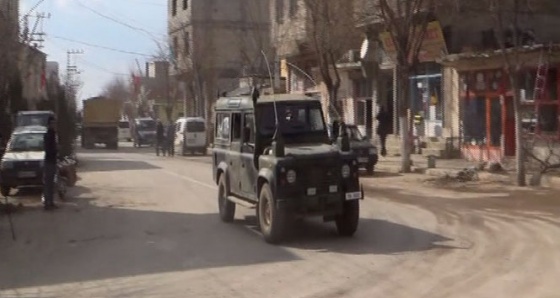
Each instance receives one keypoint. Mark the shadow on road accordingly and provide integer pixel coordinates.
(113, 164)
(373, 237)
(98, 243)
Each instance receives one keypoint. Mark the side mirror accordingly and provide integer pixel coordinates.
(246, 135)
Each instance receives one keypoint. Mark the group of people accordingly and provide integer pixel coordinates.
(165, 139)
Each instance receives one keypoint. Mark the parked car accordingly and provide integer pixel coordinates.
(144, 132)
(190, 135)
(22, 163)
(124, 131)
(362, 146)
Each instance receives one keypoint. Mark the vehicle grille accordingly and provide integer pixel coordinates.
(320, 175)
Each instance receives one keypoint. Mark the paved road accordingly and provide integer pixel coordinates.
(141, 226)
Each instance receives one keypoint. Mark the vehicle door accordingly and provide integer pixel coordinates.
(195, 134)
(248, 172)
(234, 154)
(179, 135)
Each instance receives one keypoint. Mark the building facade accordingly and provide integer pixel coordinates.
(214, 43)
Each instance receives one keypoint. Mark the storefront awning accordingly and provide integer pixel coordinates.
(528, 55)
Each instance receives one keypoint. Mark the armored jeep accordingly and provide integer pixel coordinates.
(273, 153)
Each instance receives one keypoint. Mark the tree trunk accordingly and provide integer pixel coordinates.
(519, 148)
(403, 98)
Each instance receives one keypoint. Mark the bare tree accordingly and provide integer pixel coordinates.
(9, 51)
(331, 32)
(117, 88)
(406, 22)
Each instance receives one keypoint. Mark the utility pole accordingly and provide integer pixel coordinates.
(34, 36)
(71, 72)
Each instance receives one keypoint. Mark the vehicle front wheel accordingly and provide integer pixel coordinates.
(370, 169)
(5, 190)
(347, 222)
(227, 207)
(272, 220)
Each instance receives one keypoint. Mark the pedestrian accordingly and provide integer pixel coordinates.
(383, 127)
(50, 164)
(160, 138)
(171, 139)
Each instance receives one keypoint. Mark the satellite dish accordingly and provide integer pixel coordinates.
(364, 49)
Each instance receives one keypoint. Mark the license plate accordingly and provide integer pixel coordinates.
(27, 174)
(353, 196)
(362, 159)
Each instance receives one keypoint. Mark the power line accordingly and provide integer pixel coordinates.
(101, 47)
(94, 65)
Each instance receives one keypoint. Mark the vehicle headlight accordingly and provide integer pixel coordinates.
(345, 171)
(372, 151)
(5, 165)
(291, 176)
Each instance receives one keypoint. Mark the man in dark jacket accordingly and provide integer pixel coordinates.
(50, 164)
(383, 128)
(171, 139)
(160, 138)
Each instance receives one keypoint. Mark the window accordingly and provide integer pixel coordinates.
(475, 121)
(185, 4)
(26, 142)
(495, 122)
(293, 7)
(173, 7)
(236, 127)
(195, 126)
(279, 11)
(124, 124)
(222, 126)
(249, 123)
(294, 118)
(187, 43)
(175, 47)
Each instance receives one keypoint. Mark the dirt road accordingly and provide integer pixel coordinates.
(141, 226)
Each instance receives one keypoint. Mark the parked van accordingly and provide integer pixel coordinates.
(190, 135)
(124, 131)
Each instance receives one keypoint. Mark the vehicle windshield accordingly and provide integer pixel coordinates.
(299, 118)
(26, 142)
(32, 119)
(354, 133)
(124, 124)
(145, 125)
(195, 126)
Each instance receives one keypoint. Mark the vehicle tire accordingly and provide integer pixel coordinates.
(272, 220)
(226, 207)
(5, 190)
(347, 222)
(370, 169)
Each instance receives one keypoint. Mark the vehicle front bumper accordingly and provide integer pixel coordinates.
(15, 178)
(319, 204)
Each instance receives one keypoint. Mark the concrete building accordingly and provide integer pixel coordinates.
(214, 43)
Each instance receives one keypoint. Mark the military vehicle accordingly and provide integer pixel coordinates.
(273, 153)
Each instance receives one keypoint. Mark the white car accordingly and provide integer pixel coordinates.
(124, 131)
(190, 135)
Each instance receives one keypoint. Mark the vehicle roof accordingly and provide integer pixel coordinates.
(246, 102)
(35, 112)
(191, 119)
(30, 129)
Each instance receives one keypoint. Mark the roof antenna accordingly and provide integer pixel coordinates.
(278, 145)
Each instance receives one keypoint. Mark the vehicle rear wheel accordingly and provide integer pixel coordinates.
(5, 190)
(347, 222)
(272, 220)
(227, 207)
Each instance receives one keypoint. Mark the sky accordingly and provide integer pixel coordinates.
(93, 26)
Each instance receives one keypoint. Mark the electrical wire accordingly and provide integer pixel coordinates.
(101, 47)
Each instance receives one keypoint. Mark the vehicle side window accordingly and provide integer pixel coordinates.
(222, 126)
(236, 127)
(249, 122)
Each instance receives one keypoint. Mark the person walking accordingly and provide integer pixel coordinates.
(160, 138)
(50, 164)
(383, 128)
(171, 139)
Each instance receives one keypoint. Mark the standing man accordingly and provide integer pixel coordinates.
(383, 127)
(51, 155)
(171, 139)
(160, 138)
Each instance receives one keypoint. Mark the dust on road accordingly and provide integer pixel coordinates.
(142, 226)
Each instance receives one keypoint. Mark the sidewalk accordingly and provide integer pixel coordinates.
(455, 167)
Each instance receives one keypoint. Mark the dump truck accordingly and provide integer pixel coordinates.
(100, 123)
